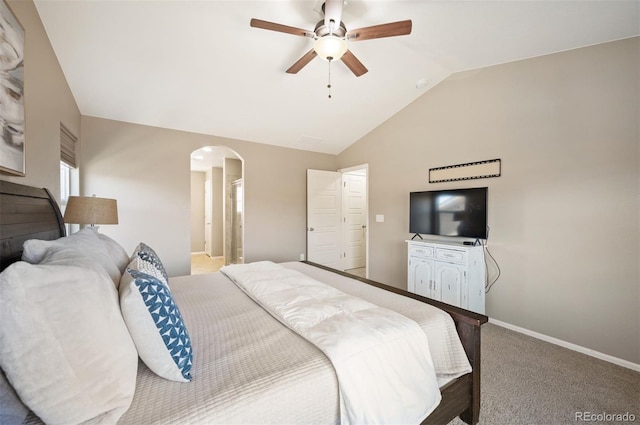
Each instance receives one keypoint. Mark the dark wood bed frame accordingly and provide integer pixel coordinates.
(32, 213)
(26, 213)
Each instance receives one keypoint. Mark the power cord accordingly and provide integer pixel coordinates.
(486, 269)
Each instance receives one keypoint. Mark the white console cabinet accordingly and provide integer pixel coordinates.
(447, 272)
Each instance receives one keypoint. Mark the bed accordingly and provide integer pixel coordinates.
(247, 366)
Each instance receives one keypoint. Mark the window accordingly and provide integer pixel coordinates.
(65, 183)
(66, 173)
(69, 181)
(67, 146)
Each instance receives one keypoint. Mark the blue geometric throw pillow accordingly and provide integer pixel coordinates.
(146, 260)
(156, 325)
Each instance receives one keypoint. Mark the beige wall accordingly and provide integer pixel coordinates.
(217, 212)
(197, 211)
(564, 215)
(147, 169)
(48, 102)
(232, 248)
(198, 179)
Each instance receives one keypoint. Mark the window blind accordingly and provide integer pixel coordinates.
(67, 147)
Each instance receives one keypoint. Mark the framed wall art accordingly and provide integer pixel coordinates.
(471, 170)
(12, 148)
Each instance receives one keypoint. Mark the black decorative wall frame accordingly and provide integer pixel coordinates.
(469, 171)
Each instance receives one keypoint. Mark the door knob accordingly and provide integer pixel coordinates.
(311, 229)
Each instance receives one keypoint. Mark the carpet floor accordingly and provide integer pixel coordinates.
(526, 381)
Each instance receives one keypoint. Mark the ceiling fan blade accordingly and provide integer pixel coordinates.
(266, 25)
(354, 64)
(333, 12)
(300, 63)
(379, 31)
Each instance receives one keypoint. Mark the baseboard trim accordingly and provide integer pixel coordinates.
(569, 345)
(202, 252)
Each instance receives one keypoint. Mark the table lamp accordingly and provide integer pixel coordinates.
(91, 210)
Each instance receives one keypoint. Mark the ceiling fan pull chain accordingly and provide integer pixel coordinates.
(329, 85)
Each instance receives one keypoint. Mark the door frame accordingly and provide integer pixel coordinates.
(339, 175)
(364, 167)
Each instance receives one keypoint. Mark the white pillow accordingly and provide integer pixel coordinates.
(63, 343)
(12, 410)
(156, 325)
(70, 256)
(86, 243)
(117, 253)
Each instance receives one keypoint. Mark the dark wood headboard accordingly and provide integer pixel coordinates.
(26, 212)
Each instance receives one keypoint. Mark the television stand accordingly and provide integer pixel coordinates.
(418, 235)
(449, 272)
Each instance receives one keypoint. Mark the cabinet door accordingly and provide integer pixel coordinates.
(421, 271)
(448, 280)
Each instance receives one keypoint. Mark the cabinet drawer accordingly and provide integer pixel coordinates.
(451, 255)
(421, 251)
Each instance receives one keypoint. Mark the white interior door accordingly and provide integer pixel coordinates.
(207, 218)
(354, 225)
(323, 217)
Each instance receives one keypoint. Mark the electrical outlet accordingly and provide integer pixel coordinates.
(301, 257)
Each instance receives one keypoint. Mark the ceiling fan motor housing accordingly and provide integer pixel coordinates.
(321, 30)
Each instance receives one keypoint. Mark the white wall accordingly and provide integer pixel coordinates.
(565, 213)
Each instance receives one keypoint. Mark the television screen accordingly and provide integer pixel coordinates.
(456, 212)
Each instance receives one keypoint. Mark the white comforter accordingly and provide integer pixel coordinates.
(381, 358)
(250, 369)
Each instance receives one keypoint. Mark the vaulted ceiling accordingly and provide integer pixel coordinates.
(198, 66)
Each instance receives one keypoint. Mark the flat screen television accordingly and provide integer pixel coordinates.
(455, 212)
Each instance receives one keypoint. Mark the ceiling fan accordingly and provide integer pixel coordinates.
(331, 36)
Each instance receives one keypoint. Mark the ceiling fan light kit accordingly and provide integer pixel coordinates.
(331, 37)
(330, 47)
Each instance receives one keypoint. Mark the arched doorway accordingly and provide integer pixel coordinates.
(217, 208)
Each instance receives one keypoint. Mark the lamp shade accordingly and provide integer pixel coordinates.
(91, 210)
(330, 47)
